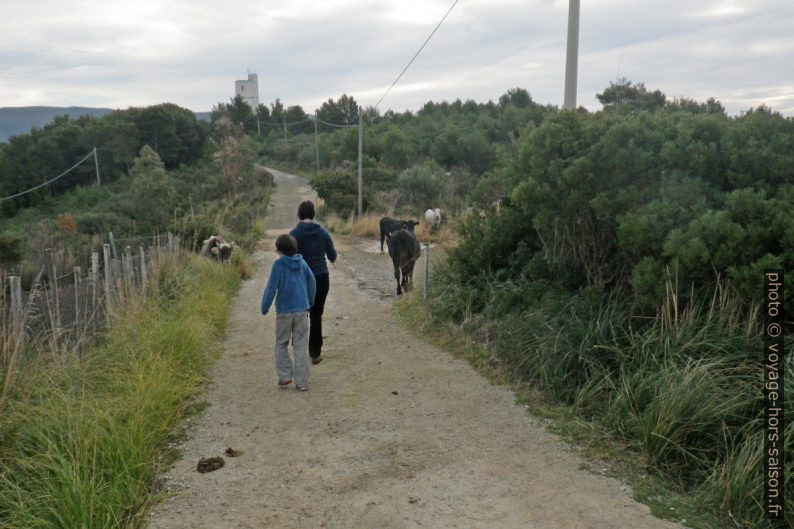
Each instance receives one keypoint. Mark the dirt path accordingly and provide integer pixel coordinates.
(393, 432)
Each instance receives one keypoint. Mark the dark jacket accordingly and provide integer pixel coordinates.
(291, 283)
(314, 244)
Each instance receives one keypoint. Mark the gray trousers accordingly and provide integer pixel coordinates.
(295, 325)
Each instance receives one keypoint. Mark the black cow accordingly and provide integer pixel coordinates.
(388, 225)
(404, 251)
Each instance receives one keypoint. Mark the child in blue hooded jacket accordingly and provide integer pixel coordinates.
(292, 285)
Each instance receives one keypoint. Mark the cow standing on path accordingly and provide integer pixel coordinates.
(388, 225)
(404, 251)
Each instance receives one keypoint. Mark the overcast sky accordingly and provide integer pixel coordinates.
(117, 54)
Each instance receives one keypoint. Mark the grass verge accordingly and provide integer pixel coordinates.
(604, 453)
(82, 443)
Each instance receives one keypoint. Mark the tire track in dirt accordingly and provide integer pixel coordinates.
(393, 433)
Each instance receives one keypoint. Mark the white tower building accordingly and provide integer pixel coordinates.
(248, 90)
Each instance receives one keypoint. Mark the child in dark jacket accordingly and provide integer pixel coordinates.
(292, 285)
(315, 244)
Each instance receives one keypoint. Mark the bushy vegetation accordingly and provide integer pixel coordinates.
(411, 162)
(623, 276)
(82, 441)
(27, 160)
(221, 191)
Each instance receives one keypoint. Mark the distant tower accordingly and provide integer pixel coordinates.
(248, 90)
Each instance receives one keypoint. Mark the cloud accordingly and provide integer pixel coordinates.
(119, 53)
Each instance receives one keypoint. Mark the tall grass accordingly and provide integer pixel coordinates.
(683, 388)
(82, 443)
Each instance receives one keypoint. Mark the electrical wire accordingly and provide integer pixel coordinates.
(49, 181)
(417, 53)
(335, 124)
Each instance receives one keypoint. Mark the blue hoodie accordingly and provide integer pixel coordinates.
(294, 282)
(314, 244)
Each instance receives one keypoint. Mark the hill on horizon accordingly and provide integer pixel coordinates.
(21, 120)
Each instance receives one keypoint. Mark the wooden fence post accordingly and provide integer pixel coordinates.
(108, 281)
(94, 277)
(112, 245)
(128, 277)
(143, 270)
(427, 271)
(17, 316)
(55, 298)
(78, 280)
(156, 254)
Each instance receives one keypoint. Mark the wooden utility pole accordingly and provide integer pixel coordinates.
(96, 166)
(360, 151)
(572, 55)
(285, 126)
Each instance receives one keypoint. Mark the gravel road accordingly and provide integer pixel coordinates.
(393, 432)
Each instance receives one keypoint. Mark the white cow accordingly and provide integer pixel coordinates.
(434, 218)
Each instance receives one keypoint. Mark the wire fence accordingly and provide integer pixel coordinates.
(63, 311)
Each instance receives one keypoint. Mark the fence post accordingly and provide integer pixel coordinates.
(427, 271)
(108, 281)
(156, 254)
(143, 270)
(78, 279)
(53, 273)
(17, 316)
(128, 277)
(112, 245)
(94, 277)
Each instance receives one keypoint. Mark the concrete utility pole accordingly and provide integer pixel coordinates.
(360, 150)
(572, 56)
(316, 145)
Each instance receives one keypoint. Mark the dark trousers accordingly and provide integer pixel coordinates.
(316, 316)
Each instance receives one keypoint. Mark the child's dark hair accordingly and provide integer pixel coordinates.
(286, 244)
(306, 210)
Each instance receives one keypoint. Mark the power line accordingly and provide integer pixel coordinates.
(87, 156)
(417, 53)
(309, 120)
(282, 123)
(335, 124)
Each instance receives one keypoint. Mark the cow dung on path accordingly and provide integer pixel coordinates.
(208, 464)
